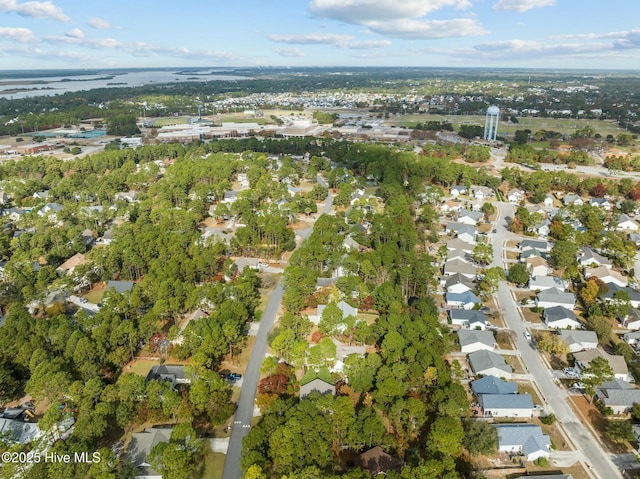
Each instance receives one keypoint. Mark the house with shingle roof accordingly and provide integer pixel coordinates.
(579, 340)
(493, 385)
(466, 300)
(489, 363)
(588, 257)
(141, 445)
(473, 340)
(625, 223)
(554, 297)
(542, 283)
(606, 275)
(559, 317)
(459, 266)
(525, 439)
(619, 395)
(458, 283)
(506, 405)
(472, 319)
(617, 363)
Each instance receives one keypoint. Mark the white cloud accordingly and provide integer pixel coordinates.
(366, 44)
(102, 24)
(311, 39)
(363, 11)
(34, 9)
(522, 5)
(75, 33)
(21, 35)
(425, 29)
(289, 52)
(524, 48)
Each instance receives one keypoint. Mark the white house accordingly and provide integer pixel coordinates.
(632, 320)
(619, 395)
(515, 196)
(579, 340)
(606, 275)
(488, 363)
(589, 258)
(625, 223)
(458, 283)
(466, 300)
(458, 190)
(472, 319)
(559, 317)
(506, 405)
(617, 363)
(470, 218)
(554, 297)
(542, 283)
(538, 266)
(472, 340)
(525, 439)
(458, 266)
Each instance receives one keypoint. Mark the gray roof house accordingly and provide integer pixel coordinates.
(554, 297)
(169, 372)
(466, 300)
(588, 257)
(632, 338)
(140, 447)
(493, 385)
(18, 431)
(542, 283)
(506, 405)
(457, 243)
(317, 385)
(470, 217)
(525, 439)
(458, 266)
(464, 232)
(617, 363)
(489, 363)
(473, 340)
(457, 283)
(619, 395)
(120, 286)
(579, 340)
(634, 295)
(559, 317)
(472, 319)
(541, 245)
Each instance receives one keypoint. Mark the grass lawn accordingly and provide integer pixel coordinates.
(515, 364)
(95, 295)
(141, 367)
(160, 122)
(369, 318)
(531, 316)
(213, 465)
(525, 387)
(239, 362)
(503, 338)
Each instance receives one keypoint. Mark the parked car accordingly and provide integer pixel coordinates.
(527, 335)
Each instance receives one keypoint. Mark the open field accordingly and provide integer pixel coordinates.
(562, 125)
(160, 122)
(141, 367)
(213, 465)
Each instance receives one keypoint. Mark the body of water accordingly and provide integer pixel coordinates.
(14, 88)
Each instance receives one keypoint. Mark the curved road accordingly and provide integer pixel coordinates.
(599, 462)
(246, 401)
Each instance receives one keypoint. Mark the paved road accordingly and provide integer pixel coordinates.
(244, 412)
(246, 401)
(553, 394)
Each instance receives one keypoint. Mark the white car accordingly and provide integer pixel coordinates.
(527, 335)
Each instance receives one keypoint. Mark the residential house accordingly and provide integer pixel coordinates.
(554, 297)
(87, 237)
(107, 237)
(4, 199)
(458, 266)
(128, 196)
(601, 203)
(481, 192)
(50, 210)
(619, 395)
(141, 445)
(451, 206)
(542, 283)
(229, 197)
(531, 253)
(472, 319)
(120, 286)
(493, 385)
(579, 340)
(617, 363)
(625, 223)
(548, 201)
(559, 317)
(458, 190)
(464, 232)
(610, 295)
(606, 275)
(541, 245)
(244, 262)
(457, 243)
(525, 439)
(569, 200)
(346, 308)
(70, 265)
(470, 218)
(377, 462)
(538, 266)
(458, 254)
(506, 405)
(352, 245)
(19, 432)
(15, 214)
(632, 338)
(543, 228)
(173, 373)
(466, 300)
(489, 363)
(472, 340)
(589, 258)
(458, 283)
(317, 385)
(515, 196)
(41, 195)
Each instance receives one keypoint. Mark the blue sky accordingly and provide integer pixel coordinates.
(585, 34)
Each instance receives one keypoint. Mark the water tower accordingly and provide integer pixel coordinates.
(491, 123)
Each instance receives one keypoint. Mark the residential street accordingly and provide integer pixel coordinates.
(598, 462)
(246, 401)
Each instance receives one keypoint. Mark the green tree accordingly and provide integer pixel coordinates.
(181, 457)
(518, 274)
(480, 438)
(552, 344)
(620, 431)
(482, 253)
(598, 372)
(564, 254)
(446, 436)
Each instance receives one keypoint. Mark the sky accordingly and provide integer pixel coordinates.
(581, 34)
